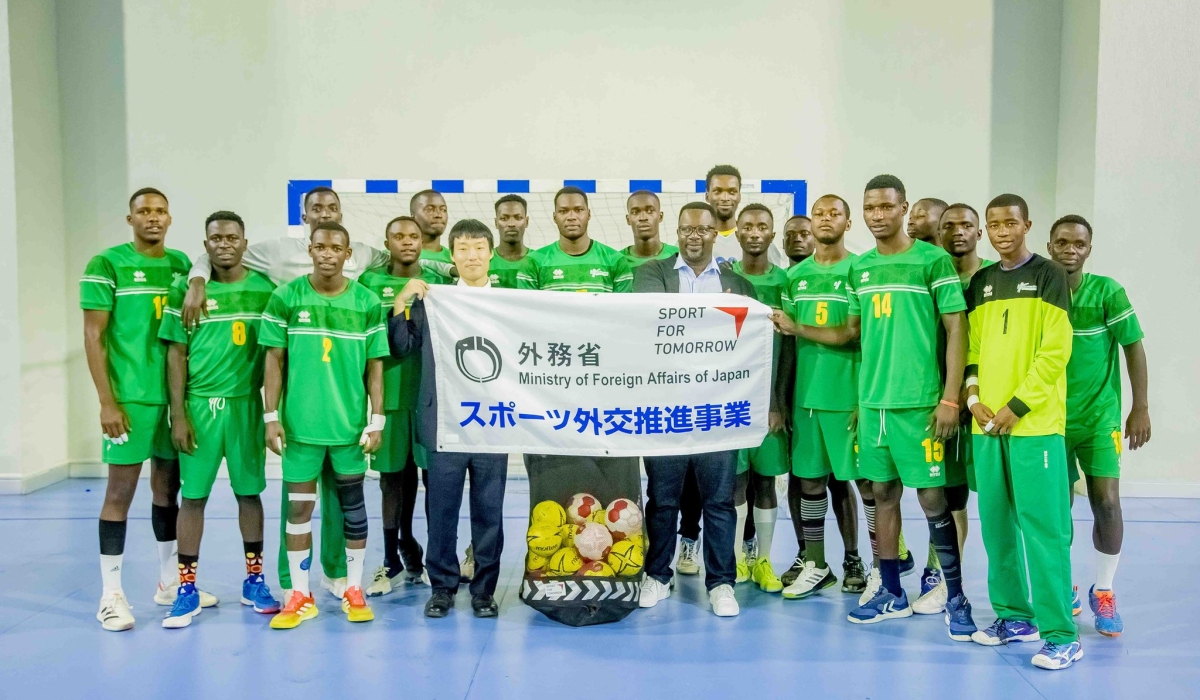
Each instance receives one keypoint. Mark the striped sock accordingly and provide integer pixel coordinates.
(869, 509)
(812, 513)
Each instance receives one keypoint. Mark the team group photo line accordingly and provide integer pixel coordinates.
(916, 364)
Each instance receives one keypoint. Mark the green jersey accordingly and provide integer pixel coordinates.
(328, 342)
(1102, 319)
(965, 280)
(636, 261)
(769, 287)
(223, 356)
(401, 378)
(133, 288)
(600, 269)
(503, 273)
(901, 299)
(826, 376)
(433, 276)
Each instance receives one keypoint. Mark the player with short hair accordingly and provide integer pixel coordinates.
(399, 458)
(1102, 319)
(123, 293)
(512, 218)
(330, 333)
(723, 190)
(643, 213)
(575, 262)
(924, 218)
(1019, 349)
(428, 208)
(798, 243)
(756, 231)
(214, 374)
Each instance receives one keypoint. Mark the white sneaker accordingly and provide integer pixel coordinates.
(114, 614)
(874, 583)
(932, 602)
(466, 570)
(688, 563)
(812, 579)
(381, 584)
(335, 586)
(652, 592)
(167, 596)
(723, 602)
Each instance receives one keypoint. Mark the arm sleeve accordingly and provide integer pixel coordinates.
(527, 275)
(98, 286)
(377, 342)
(622, 275)
(1053, 353)
(263, 257)
(439, 268)
(404, 332)
(171, 328)
(944, 285)
(378, 258)
(1120, 318)
(272, 331)
(648, 279)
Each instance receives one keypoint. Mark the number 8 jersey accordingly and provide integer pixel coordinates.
(328, 342)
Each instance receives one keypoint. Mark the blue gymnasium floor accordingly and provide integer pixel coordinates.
(52, 647)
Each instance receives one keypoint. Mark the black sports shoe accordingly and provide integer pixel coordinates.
(411, 554)
(485, 606)
(789, 577)
(439, 604)
(854, 575)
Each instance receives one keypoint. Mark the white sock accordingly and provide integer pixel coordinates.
(740, 532)
(299, 575)
(354, 566)
(168, 563)
(1106, 569)
(110, 572)
(764, 525)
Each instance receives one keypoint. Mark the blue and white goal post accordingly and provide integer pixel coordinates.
(368, 205)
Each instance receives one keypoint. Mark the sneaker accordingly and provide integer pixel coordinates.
(873, 586)
(812, 580)
(688, 563)
(933, 593)
(299, 608)
(723, 602)
(958, 618)
(1004, 631)
(854, 575)
(466, 570)
(1104, 607)
(750, 551)
(257, 594)
(114, 614)
(1076, 603)
(381, 583)
(355, 605)
(412, 555)
(185, 608)
(884, 606)
(652, 592)
(1054, 657)
(789, 577)
(764, 576)
(165, 595)
(907, 563)
(335, 586)
(742, 572)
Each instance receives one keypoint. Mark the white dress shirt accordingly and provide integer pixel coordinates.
(709, 279)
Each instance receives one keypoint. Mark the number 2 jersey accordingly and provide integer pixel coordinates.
(1102, 319)
(328, 341)
(133, 288)
(224, 357)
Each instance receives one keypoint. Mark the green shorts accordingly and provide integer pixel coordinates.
(229, 429)
(768, 459)
(399, 439)
(149, 436)
(1097, 454)
(899, 444)
(960, 468)
(303, 461)
(823, 443)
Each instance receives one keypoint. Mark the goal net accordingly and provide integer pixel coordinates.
(368, 205)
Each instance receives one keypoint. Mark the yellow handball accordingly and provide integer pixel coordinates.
(544, 540)
(637, 539)
(568, 534)
(626, 558)
(565, 562)
(548, 513)
(597, 516)
(596, 568)
(533, 562)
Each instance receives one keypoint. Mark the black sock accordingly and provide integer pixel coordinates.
(391, 550)
(163, 519)
(112, 537)
(943, 535)
(851, 553)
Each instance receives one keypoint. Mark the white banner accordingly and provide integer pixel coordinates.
(616, 375)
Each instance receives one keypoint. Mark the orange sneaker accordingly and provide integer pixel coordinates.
(354, 604)
(299, 608)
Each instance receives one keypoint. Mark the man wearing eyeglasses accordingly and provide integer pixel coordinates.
(693, 270)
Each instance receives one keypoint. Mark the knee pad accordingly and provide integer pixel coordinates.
(354, 508)
(956, 497)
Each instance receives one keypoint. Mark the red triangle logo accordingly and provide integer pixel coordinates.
(739, 315)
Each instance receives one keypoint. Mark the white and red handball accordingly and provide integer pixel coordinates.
(623, 518)
(582, 506)
(593, 541)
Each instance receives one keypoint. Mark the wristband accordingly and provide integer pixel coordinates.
(972, 380)
(972, 400)
(272, 417)
(951, 404)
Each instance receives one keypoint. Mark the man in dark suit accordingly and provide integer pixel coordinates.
(470, 246)
(693, 270)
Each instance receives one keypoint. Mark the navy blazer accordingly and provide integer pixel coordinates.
(407, 337)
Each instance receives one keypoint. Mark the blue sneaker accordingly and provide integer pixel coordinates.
(1104, 607)
(1005, 631)
(907, 564)
(884, 606)
(1054, 657)
(958, 618)
(186, 606)
(256, 593)
(1076, 604)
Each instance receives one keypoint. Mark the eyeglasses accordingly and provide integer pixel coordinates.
(700, 231)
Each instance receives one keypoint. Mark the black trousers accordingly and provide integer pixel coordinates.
(716, 475)
(447, 475)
